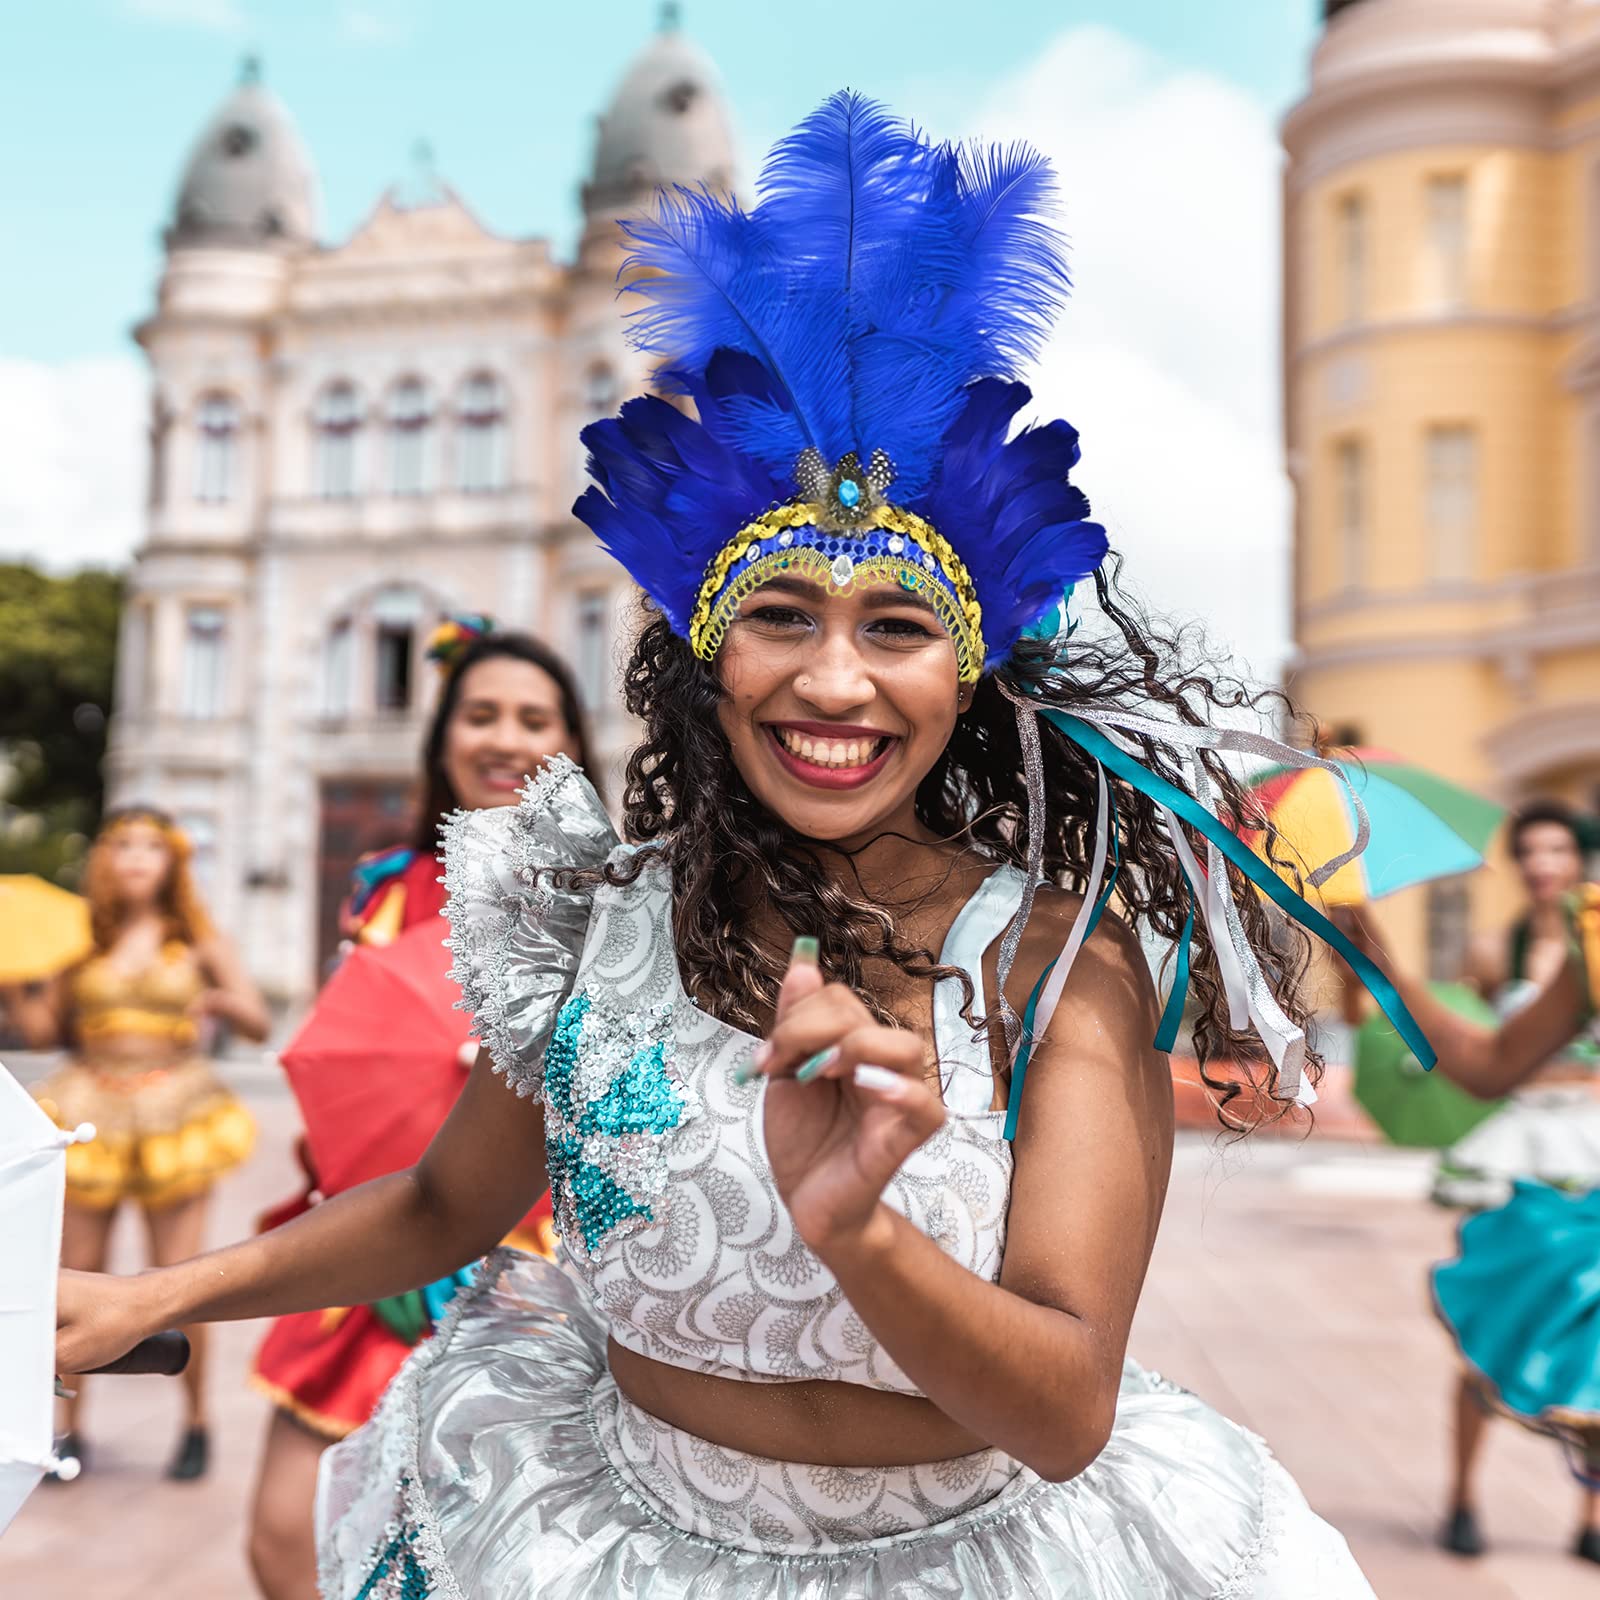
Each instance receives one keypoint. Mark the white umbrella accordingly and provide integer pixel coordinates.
(32, 1187)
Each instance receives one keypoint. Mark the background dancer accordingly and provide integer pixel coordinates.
(506, 705)
(1520, 1300)
(1550, 1129)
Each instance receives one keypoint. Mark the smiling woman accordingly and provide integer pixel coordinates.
(848, 1084)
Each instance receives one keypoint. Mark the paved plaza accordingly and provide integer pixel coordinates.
(1287, 1289)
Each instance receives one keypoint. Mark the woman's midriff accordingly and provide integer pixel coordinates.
(827, 1424)
(128, 1056)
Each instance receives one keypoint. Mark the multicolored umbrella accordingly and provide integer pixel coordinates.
(1423, 826)
(1412, 1106)
(43, 929)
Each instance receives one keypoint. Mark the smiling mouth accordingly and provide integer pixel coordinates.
(830, 761)
(833, 753)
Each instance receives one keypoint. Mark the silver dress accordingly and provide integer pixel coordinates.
(504, 1464)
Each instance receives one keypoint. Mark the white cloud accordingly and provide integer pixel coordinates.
(361, 24)
(1167, 357)
(221, 16)
(73, 489)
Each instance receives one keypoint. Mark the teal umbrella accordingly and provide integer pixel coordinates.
(1413, 1107)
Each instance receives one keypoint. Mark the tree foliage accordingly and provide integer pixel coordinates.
(58, 648)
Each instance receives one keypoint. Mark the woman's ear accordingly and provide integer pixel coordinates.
(963, 699)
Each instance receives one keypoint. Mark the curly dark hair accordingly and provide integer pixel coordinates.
(734, 863)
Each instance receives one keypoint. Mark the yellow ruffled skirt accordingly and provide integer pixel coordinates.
(162, 1133)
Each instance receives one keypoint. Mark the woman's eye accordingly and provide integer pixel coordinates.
(777, 616)
(901, 628)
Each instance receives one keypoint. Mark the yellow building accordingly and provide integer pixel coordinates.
(1442, 402)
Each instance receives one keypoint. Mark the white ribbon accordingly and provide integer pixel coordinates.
(1051, 993)
(1251, 1002)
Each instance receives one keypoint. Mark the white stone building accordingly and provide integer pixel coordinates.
(348, 441)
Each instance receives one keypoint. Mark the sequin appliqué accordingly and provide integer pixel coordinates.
(397, 1574)
(610, 1102)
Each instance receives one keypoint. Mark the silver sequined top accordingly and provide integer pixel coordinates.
(663, 1194)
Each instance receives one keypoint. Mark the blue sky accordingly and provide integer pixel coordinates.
(99, 100)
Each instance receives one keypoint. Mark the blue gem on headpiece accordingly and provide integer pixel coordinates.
(849, 492)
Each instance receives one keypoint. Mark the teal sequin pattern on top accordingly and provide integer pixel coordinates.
(611, 1099)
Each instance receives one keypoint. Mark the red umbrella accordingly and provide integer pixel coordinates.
(380, 1059)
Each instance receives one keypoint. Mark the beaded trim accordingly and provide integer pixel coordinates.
(913, 554)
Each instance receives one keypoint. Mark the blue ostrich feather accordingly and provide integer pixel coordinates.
(878, 296)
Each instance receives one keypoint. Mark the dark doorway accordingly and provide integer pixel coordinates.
(358, 815)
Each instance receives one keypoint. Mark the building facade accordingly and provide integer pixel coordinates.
(1442, 402)
(348, 441)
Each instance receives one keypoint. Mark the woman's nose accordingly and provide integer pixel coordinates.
(834, 678)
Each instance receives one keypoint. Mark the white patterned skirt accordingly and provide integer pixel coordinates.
(504, 1464)
(1550, 1132)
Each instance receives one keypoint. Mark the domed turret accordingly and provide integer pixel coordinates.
(249, 181)
(1363, 38)
(667, 123)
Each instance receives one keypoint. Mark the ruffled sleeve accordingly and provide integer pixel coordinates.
(516, 938)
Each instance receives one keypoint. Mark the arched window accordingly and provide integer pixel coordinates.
(216, 448)
(160, 437)
(338, 669)
(205, 662)
(396, 619)
(599, 390)
(481, 435)
(410, 437)
(336, 427)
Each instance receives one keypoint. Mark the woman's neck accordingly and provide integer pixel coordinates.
(894, 864)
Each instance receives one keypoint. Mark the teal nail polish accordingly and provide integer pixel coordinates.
(815, 1065)
(805, 950)
(745, 1070)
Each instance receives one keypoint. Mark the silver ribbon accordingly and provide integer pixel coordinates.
(1251, 1002)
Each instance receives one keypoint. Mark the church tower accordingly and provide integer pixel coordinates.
(1442, 402)
(245, 215)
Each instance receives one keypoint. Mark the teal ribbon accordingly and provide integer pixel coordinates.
(1172, 1013)
(1133, 773)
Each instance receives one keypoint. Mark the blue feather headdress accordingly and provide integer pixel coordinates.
(860, 330)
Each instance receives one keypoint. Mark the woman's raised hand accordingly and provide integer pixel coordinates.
(848, 1099)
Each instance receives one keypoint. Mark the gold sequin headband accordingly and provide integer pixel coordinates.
(841, 533)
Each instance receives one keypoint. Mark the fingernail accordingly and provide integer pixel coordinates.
(805, 951)
(745, 1070)
(870, 1077)
(815, 1065)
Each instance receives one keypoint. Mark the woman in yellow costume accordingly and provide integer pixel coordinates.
(133, 1015)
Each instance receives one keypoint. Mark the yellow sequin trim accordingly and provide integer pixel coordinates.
(720, 598)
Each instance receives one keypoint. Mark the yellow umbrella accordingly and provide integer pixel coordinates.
(42, 928)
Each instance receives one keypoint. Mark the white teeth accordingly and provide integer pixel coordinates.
(829, 752)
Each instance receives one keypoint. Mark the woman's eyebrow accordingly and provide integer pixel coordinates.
(881, 597)
(802, 588)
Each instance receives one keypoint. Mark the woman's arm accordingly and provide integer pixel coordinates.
(1486, 968)
(233, 995)
(1486, 1062)
(482, 1172)
(1033, 1364)
(36, 1011)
